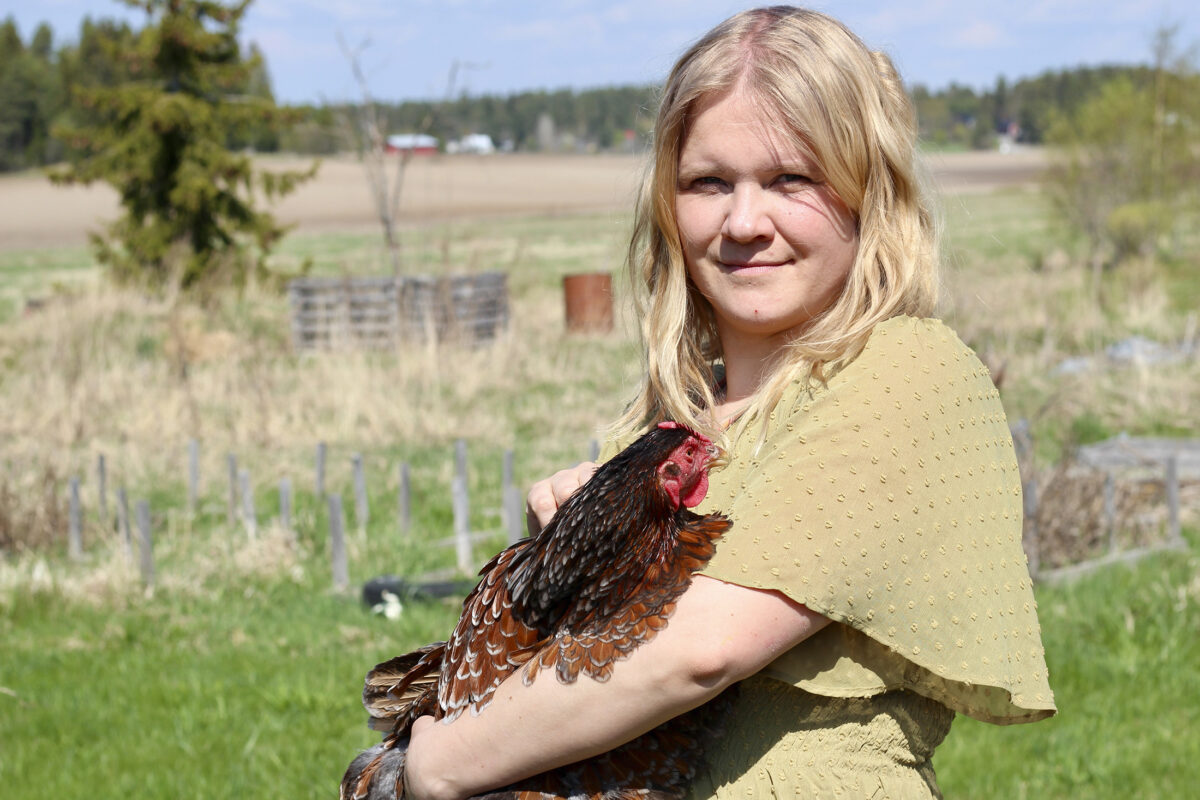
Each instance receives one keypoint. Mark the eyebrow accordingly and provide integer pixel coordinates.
(703, 164)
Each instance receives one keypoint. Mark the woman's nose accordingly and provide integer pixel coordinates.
(748, 218)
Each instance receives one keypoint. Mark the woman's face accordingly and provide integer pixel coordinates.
(766, 240)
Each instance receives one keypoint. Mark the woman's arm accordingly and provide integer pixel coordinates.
(719, 634)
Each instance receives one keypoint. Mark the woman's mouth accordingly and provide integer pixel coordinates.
(749, 268)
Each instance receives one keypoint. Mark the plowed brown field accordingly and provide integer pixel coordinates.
(34, 213)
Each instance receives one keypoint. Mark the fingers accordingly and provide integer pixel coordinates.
(547, 495)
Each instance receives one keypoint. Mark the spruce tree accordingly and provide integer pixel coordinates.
(160, 139)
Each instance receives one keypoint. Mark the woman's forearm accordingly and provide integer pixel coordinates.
(527, 730)
(719, 634)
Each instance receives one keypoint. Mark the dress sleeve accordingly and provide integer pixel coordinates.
(889, 500)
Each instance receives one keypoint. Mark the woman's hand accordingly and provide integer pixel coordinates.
(547, 495)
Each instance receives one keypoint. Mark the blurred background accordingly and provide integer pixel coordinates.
(295, 295)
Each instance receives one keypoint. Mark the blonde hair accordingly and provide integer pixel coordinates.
(846, 107)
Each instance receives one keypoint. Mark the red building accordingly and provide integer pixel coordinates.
(418, 144)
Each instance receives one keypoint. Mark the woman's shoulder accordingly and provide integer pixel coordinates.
(910, 352)
(914, 371)
(919, 338)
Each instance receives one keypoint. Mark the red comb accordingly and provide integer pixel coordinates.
(670, 424)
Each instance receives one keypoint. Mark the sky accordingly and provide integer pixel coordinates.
(407, 48)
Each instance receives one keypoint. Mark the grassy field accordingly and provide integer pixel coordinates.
(1123, 648)
(250, 686)
(240, 673)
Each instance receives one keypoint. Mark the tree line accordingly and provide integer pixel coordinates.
(43, 85)
(1026, 110)
(621, 118)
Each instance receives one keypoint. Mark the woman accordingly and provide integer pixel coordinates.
(873, 584)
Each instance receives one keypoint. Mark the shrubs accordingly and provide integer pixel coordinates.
(33, 513)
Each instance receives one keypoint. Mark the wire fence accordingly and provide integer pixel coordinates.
(1112, 502)
(354, 313)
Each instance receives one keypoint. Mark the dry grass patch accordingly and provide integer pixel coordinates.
(109, 371)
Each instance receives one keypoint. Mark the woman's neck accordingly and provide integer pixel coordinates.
(748, 363)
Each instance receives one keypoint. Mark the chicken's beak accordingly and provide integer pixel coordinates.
(717, 457)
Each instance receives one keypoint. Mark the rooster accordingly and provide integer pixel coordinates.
(598, 581)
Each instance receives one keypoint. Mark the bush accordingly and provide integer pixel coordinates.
(1135, 228)
(33, 513)
(1125, 163)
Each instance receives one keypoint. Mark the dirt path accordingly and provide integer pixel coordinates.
(34, 213)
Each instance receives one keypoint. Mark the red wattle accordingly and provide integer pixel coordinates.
(696, 495)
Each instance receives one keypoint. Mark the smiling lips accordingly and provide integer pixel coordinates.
(753, 268)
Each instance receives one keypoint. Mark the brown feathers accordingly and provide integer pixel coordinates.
(597, 582)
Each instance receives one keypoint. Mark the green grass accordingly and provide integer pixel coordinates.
(244, 690)
(1123, 647)
(535, 251)
(35, 274)
(246, 686)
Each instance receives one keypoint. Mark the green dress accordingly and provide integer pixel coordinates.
(888, 500)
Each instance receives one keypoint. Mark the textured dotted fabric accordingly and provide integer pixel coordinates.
(783, 743)
(889, 500)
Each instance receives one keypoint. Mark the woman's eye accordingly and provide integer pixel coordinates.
(793, 179)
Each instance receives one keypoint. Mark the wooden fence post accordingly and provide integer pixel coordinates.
(1110, 510)
(231, 509)
(193, 476)
(285, 503)
(362, 510)
(508, 471)
(1029, 496)
(515, 503)
(124, 523)
(1174, 532)
(462, 509)
(249, 514)
(1022, 436)
(320, 470)
(460, 459)
(337, 544)
(102, 491)
(75, 524)
(462, 525)
(147, 551)
(404, 500)
(513, 509)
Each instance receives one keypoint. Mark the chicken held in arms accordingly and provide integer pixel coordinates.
(598, 581)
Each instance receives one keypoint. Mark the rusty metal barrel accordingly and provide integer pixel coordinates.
(589, 305)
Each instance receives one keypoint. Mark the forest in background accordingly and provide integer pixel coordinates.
(40, 76)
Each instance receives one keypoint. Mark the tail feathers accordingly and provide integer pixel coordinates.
(404, 687)
(394, 693)
(377, 774)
